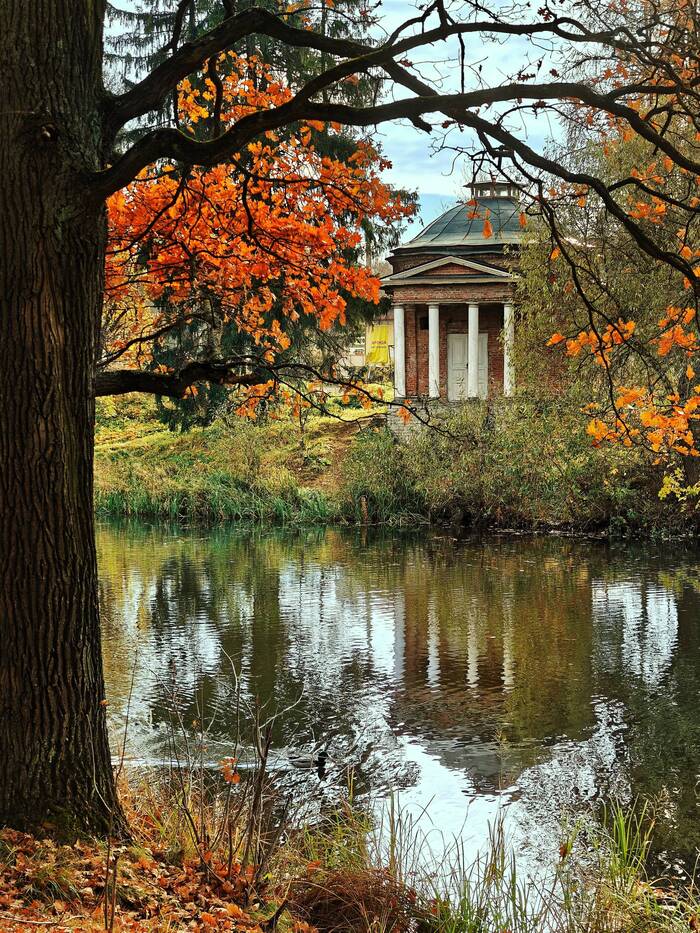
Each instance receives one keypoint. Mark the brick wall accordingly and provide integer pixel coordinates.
(453, 298)
(479, 292)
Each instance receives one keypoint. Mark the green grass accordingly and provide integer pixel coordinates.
(530, 468)
(240, 472)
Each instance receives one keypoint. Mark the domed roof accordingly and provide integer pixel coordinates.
(460, 230)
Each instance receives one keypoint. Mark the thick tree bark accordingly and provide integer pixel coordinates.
(54, 755)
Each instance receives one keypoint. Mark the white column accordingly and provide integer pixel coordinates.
(434, 351)
(399, 352)
(508, 342)
(473, 352)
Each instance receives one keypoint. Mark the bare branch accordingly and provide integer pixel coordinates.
(149, 93)
(171, 144)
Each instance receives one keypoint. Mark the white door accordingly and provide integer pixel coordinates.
(458, 366)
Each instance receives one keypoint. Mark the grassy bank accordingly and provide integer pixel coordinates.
(527, 467)
(234, 470)
(203, 858)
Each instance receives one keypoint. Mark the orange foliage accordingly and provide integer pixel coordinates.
(662, 423)
(267, 238)
(600, 344)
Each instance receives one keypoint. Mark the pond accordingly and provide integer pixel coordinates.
(525, 677)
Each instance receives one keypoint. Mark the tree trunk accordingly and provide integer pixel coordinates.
(54, 755)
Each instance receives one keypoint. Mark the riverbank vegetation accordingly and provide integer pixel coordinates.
(272, 470)
(208, 855)
(526, 464)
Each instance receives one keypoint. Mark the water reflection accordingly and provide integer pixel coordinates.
(531, 674)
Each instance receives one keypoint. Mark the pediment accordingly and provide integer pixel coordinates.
(450, 266)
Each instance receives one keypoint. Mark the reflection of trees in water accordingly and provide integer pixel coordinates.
(647, 653)
(513, 661)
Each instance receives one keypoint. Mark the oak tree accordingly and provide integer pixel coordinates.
(61, 159)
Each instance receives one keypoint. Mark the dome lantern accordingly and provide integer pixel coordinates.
(493, 188)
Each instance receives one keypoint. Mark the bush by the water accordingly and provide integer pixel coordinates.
(204, 855)
(519, 464)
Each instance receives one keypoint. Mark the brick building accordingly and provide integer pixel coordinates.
(452, 297)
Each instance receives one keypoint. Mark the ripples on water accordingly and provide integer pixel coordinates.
(503, 675)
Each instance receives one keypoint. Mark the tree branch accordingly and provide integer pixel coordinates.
(149, 93)
(289, 374)
(175, 384)
(606, 102)
(172, 144)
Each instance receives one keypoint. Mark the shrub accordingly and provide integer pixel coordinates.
(526, 464)
(375, 485)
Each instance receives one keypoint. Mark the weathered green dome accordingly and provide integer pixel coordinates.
(460, 230)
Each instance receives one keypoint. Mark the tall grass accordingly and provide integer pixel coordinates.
(358, 866)
(527, 465)
(217, 502)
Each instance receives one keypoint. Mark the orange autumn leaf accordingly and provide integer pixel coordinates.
(597, 429)
(629, 397)
(555, 339)
(487, 230)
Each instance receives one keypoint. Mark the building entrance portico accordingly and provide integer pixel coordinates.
(423, 342)
(452, 292)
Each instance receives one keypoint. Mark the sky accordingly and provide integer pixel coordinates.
(439, 183)
(416, 163)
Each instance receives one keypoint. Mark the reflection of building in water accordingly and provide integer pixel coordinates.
(490, 637)
(637, 628)
(485, 655)
(451, 670)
